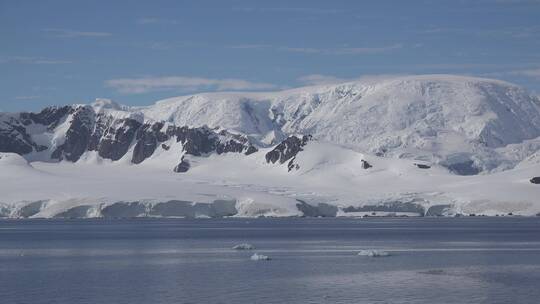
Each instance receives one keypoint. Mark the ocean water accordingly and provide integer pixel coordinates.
(432, 260)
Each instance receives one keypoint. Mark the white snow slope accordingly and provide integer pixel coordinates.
(437, 120)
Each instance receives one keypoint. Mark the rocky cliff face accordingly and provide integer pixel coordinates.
(287, 150)
(66, 133)
(13, 128)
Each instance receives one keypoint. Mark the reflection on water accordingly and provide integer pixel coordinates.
(432, 260)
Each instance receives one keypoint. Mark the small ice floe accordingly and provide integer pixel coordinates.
(259, 257)
(244, 246)
(373, 253)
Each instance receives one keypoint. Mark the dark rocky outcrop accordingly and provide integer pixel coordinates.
(13, 140)
(102, 123)
(287, 150)
(464, 168)
(118, 138)
(366, 165)
(203, 140)
(291, 165)
(422, 166)
(196, 141)
(77, 136)
(50, 116)
(535, 180)
(14, 136)
(147, 138)
(183, 166)
(91, 129)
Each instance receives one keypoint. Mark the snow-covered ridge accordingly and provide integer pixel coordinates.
(396, 146)
(452, 120)
(114, 132)
(463, 123)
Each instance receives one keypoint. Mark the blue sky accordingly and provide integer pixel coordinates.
(137, 52)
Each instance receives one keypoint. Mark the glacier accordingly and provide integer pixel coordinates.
(423, 145)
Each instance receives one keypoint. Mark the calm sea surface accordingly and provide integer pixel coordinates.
(432, 260)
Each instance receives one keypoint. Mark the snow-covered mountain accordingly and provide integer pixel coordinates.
(437, 118)
(401, 144)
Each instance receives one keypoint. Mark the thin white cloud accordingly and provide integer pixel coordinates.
(29, 97)
(344, 50)
(65, 33)
(531, 73)
(250, 46)
(318, 79)
(367, 50)
(518, 1)
(521, 32)
(324, 51)
(166, 45)
(32, 60)
(183, 83)
(153, 20)
(299, 10)
(460, 66)
(302, 50)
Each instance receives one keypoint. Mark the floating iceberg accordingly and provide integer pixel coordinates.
(244, 246)
(373, 253)
(259, 257)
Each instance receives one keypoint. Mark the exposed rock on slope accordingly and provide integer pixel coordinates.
(66, 133)
(183, 166)
(287, 150)
(366, 165)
